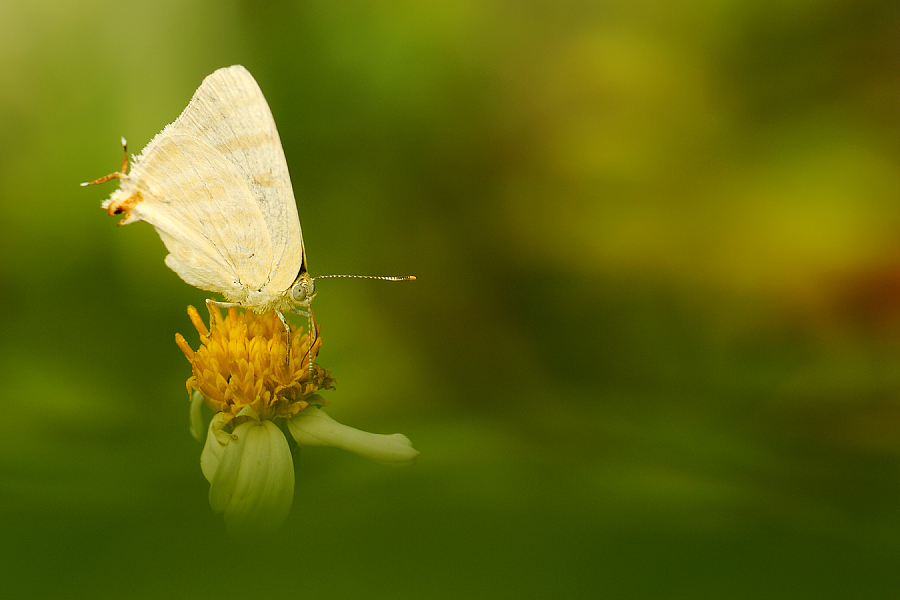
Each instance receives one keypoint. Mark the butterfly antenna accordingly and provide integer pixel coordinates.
(406, 278)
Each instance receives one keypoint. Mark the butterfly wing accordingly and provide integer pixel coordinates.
(204, 212)
(230, 114)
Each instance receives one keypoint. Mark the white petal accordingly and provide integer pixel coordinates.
(312, 427)
(196, 415)
(248, 411)
(216, 440)
(254, 483)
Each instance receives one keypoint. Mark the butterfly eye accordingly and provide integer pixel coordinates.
(303, 291)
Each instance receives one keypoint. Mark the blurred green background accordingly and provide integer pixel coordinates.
(654, 346)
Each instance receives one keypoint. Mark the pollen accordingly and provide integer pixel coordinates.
(249, 360)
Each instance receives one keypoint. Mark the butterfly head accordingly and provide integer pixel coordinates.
(304, 290)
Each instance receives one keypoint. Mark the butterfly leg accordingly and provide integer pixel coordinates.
(312, 333)
(287, 333)
(215, 314)
(118, 174)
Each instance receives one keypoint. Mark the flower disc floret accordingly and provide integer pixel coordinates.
(248, 361)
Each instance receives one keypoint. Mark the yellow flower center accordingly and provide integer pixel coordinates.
(243, 361)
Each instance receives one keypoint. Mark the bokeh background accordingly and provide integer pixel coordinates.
(654, 346)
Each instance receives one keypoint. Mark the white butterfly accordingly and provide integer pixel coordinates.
(215, 185)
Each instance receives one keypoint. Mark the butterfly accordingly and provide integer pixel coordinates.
(216, 187)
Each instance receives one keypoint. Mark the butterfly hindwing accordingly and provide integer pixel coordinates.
(205, 214)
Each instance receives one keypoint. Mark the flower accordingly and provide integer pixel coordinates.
(255, 377)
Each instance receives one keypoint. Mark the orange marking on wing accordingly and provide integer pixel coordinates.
(124, 206)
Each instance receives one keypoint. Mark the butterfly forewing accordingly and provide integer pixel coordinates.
(230, 114)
